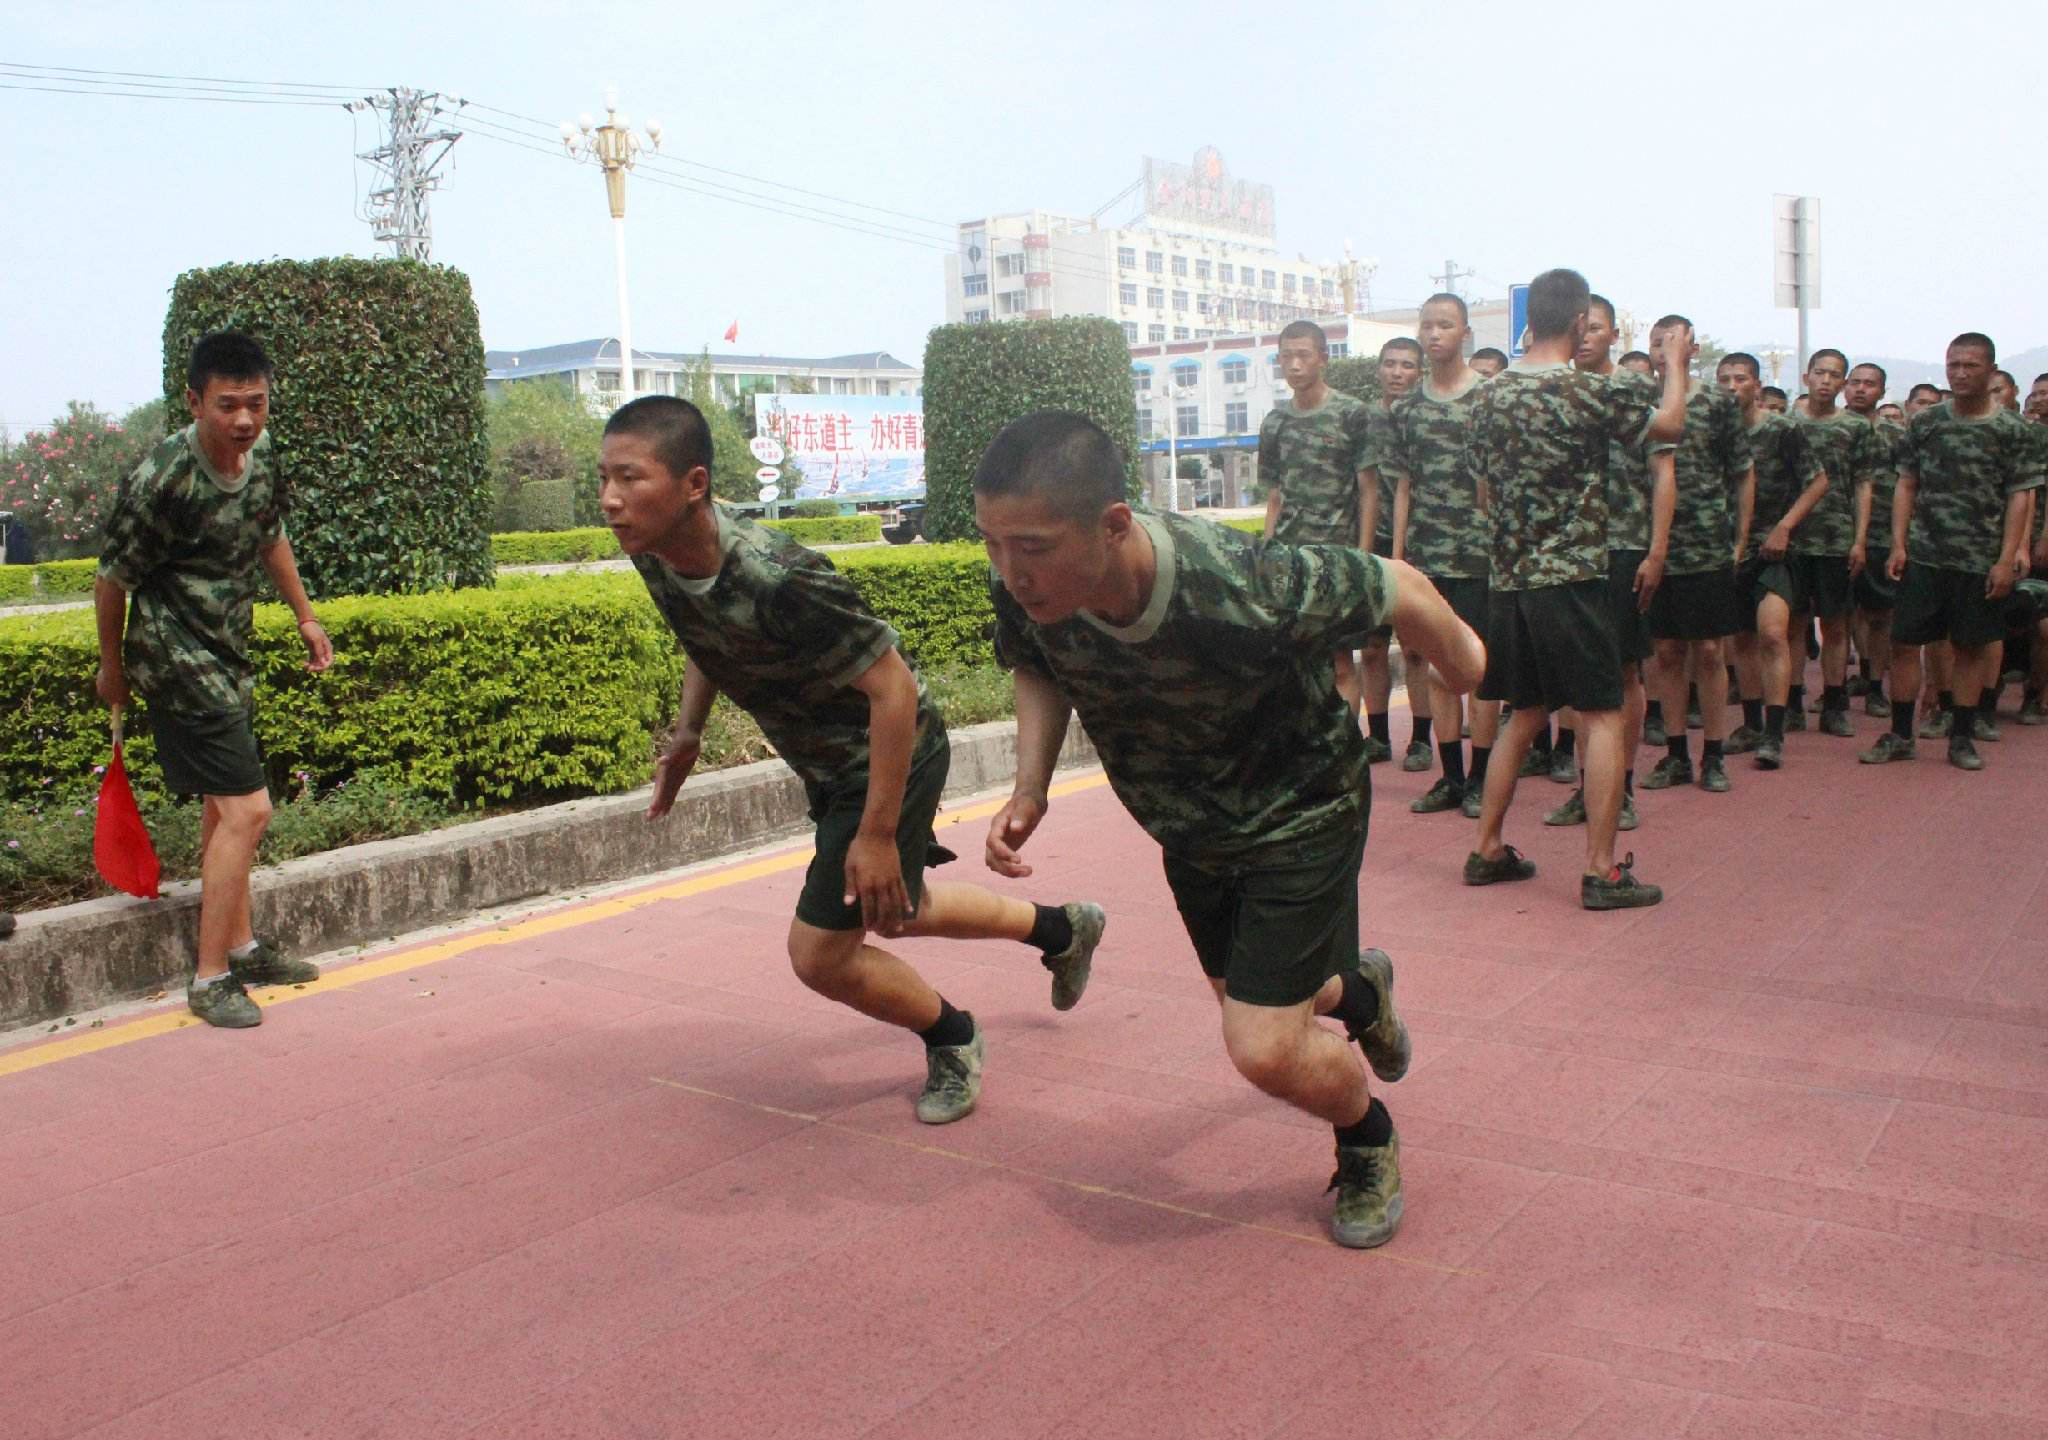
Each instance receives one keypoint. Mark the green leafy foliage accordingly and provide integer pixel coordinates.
(528, 692)
(60, 483)
(540, 429)
(978, 378)
(1357, 376)
(377, 412)
(17, 582)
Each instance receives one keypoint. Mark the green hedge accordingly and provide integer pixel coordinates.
(978, 378)
(536, 690)
(569, 547)
(1356, 375)
(378, 413)
(51, 580)
(1251, 525)
(17, 582)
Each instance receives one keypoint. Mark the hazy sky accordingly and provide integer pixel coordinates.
(1641, 144)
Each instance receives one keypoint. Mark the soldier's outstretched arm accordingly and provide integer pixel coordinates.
(1669, 421)
(1427, 626)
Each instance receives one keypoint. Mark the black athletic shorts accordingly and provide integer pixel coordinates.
(836, 811)
(1874, 591)
(1631, 625)
(214, 754)
(1273, 933)
(1553, 647)
(1824, 585)
(1937, 604)
(1466, 595)
(1756, 578)
(1696, 607)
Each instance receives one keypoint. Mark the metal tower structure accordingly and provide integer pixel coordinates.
(397, 210)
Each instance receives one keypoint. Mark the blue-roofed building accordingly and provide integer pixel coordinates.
(590, 368)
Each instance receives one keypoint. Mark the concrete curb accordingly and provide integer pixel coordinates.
(79, 957)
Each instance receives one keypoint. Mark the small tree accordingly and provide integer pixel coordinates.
(732, 464)
(978, 378)
(541, 429)
(60, 483)
(1356, 376)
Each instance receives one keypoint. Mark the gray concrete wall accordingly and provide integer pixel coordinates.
(78, 957)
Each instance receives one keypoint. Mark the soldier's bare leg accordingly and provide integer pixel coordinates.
(1349, 681)
(231, 827)
(1515, 739)
(1281, 1050)
(1601, 741)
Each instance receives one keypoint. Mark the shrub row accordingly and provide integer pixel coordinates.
(524, 692)
(51, 580)
(569, 547)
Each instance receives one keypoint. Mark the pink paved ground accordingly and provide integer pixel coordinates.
(1769, 1161)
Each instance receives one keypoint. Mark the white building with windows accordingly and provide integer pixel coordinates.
(590, 368)
(1198, 261)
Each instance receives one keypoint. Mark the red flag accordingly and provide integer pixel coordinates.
(732, 332)
(120, 841)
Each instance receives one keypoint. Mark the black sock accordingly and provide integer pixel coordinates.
(1987, 704)
(1376, 1129)
(1051, 930)
(1376, 726)
(1796, 698)
(1653, 713)
(1628, 782)
(1902, 717)
(1948, 702)
(1567, 741)
(953, 1027)
(1753, 714)
(1864, 665)
(1834, 697)
(1359, 1005)
(1692, 697)
(1452, 753)
(1959, 717)
(1420, 734)
(1774, 721)
(1480, 755)
(1710, 750)
(1676, 745)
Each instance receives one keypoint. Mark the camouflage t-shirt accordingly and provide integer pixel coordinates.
(1538, 442)
(784, 636)
(186, 543)
(1313, 458)
(1447, 535)
(1883, 486)
(1711, 459)
(1628, 474)
(1216, 712)
(1854, 454)
(1785, 466)
(1967, 469)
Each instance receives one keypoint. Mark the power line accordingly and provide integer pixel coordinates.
(152, 75)
(8, 84)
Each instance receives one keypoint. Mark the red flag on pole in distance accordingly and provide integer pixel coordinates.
(120, 841)
(732, 333)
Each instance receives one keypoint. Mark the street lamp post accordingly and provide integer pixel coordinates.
(612, 146)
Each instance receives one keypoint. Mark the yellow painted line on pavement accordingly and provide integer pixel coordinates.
(1084, 1187)
(32, 1057)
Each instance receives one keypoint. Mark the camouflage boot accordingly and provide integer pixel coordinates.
(268, 965)
(223, 1003)
(1071, 966)
(1385, 1042)
(1368, 1186)
(952, 1082)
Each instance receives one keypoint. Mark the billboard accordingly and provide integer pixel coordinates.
(852, 447)
(1205, 193)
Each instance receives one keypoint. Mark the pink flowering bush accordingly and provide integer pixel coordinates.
(61, 482)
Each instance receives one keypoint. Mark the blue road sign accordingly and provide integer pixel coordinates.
(1518, 319)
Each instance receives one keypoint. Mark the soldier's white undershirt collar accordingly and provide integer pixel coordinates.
(727, 538)
(1164, 565)
(227, 485)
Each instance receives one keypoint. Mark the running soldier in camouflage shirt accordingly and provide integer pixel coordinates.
(192, 529)
(1537, 449)
(1440, 529)
(1856, 458)
(1789, 483)
(1695, 610)
(1965, 471)
(788, 640)
(1198, 659)
(1314, 454)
